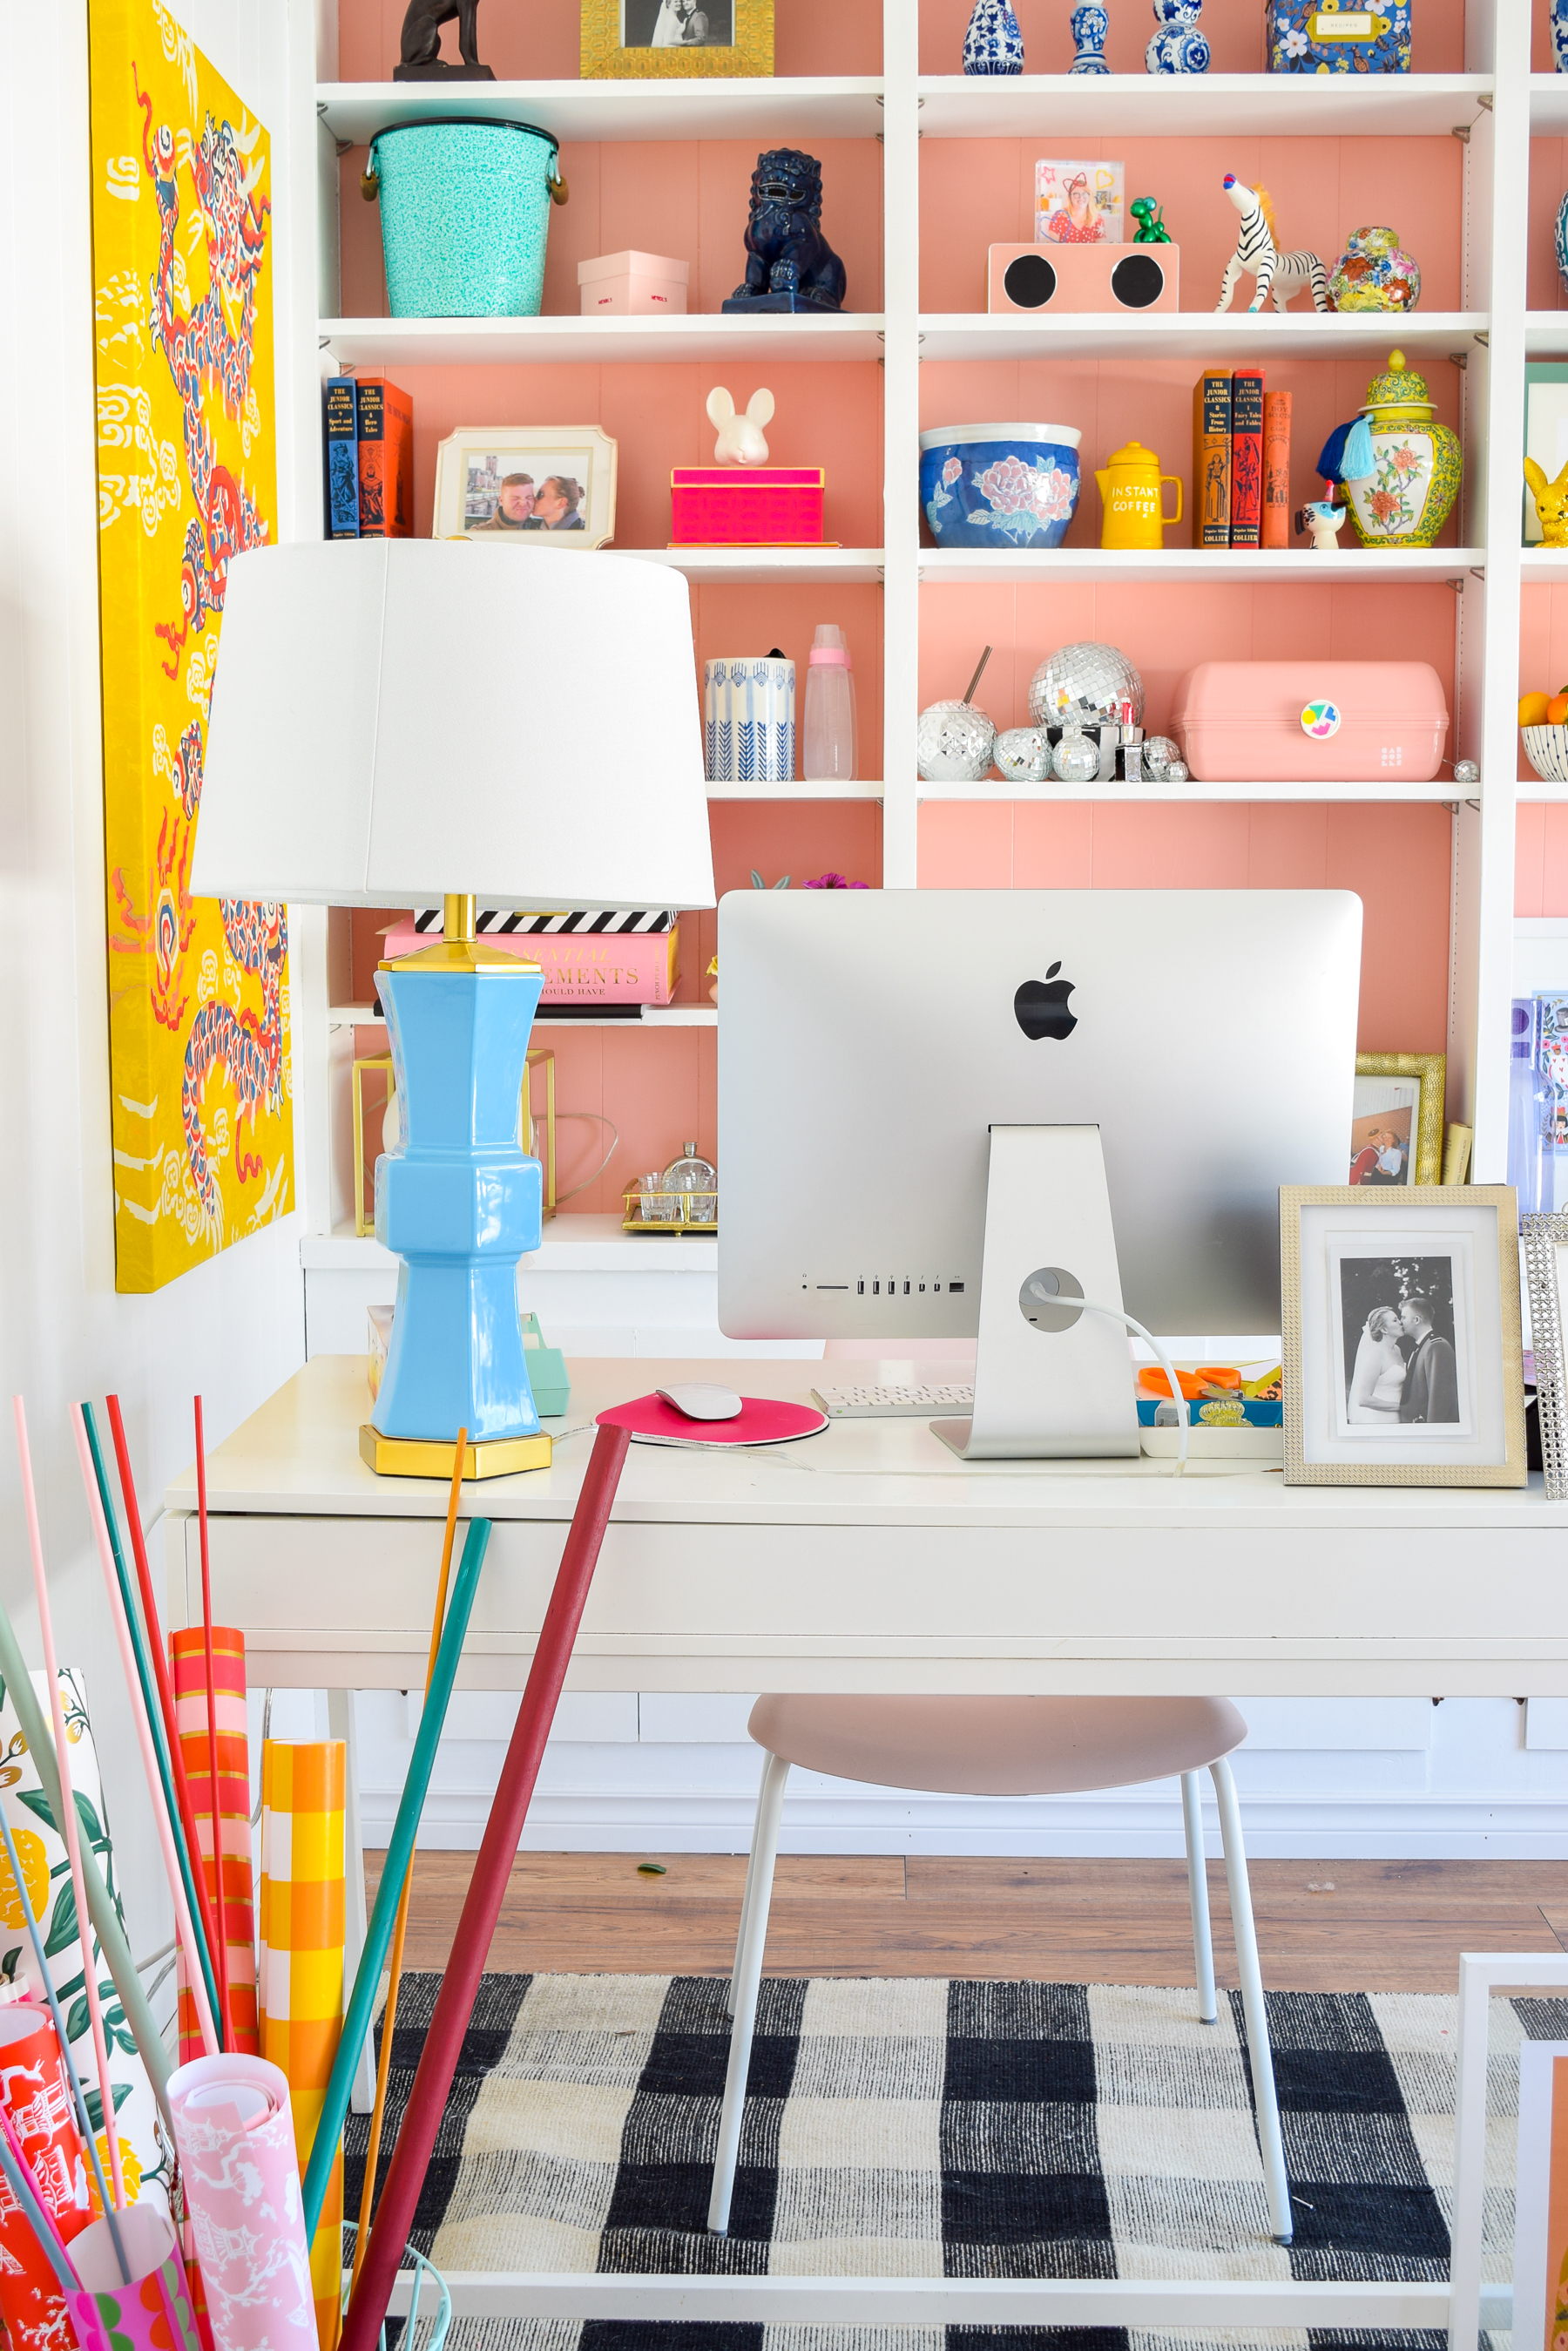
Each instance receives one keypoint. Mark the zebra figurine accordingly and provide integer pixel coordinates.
(1256, 250)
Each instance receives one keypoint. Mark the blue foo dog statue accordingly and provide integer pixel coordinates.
(790, 266)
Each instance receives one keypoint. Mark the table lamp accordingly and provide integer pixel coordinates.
(397, 720)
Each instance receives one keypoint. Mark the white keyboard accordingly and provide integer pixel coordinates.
(916, 1402)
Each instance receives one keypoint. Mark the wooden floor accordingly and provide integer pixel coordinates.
(1332, 1926)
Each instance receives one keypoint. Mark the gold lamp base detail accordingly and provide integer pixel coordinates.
(419, 1456)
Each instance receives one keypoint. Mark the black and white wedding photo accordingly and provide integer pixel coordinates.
(1401, 1361)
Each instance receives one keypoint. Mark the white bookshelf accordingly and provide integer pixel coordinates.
(1491, 107)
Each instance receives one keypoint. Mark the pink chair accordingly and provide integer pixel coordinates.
(1008, 1747)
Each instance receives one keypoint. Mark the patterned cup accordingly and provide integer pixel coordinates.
(748, 720)
(154, 2311)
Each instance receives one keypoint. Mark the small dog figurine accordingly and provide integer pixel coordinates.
(789, 257)
(1324, 522)
(421, 58)
(1551, 503)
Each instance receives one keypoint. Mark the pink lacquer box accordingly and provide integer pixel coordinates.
(619, 283)
(1311, 722)
(746, 506)
(580, 965)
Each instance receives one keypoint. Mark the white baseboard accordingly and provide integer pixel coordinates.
(1312, 1828)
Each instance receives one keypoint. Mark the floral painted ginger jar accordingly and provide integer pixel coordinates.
(1415, 464)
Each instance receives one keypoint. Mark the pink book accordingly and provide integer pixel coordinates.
(587, 959)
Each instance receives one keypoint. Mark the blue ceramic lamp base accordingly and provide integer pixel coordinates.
(459, 1202)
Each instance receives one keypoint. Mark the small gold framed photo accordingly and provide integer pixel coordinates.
(1396, 1126)
(1402, 1362)
(538, 486)
(671, 40)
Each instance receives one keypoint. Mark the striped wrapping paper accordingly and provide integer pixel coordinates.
(300, 1983)
(188, 1654)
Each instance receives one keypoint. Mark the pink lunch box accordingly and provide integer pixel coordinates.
(1311, 722)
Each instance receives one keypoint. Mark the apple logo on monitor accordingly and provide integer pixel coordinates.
(1039, 1007)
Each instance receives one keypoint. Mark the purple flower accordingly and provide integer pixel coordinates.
(832, 882)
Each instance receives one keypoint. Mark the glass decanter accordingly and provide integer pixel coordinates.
(692, 1173)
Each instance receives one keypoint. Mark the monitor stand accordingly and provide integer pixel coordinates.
(1051, 1383)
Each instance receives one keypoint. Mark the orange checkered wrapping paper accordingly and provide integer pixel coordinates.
(301, 1971)
(188, 1655)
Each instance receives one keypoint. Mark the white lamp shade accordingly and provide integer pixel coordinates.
(395, 719)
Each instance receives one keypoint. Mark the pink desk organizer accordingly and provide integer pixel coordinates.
(746, 506)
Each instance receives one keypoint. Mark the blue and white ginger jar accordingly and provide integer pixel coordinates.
(994, 43)
(1562, 242)
(1180, 45)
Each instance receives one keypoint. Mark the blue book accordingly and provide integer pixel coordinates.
(340, 458)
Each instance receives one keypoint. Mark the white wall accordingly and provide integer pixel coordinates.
(235, 1328)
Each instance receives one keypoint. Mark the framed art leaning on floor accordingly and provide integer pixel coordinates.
(1401, 1335)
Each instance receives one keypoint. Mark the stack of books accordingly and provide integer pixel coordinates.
(1241, 460)
(366, 458)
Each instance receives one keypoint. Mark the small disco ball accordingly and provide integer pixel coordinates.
(1466, 771)
(953, 744)
(1076, 760)
(1159, 754)
(1176, 773)
(1089, 682)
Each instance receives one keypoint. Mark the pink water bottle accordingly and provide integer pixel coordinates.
(828, 750)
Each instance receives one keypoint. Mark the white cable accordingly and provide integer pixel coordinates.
(1120, 1314)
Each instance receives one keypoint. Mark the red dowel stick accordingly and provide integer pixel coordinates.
(220, 1953)
(160, 1674)
(487, 1890)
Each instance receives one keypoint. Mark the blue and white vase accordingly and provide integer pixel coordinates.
(1179, 44)
(994, 43)
(1089, 26)
(1562, 237)
(1559, 33)
(748, 721)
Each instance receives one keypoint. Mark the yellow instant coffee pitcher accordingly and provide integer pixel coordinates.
(1130, 486)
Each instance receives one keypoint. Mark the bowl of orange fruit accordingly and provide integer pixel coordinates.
(1543, 723)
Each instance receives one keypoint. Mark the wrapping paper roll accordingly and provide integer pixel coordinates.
(37, 2097)
(188, 1652)
(154, 2311)
(300, 1966)
(235, 2136)
(41, 1850)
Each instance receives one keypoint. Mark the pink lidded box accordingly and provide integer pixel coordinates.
(1311, 722)
(615, 283)
(746, 506)
(587, 959)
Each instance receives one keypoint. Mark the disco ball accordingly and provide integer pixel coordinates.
(1159, 753)
(953, 744)
(1076, 760)
(1088, 681)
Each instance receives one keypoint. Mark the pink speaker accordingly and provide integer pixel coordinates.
(1030, 278)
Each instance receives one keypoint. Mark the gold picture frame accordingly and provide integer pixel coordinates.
(537, 1057)
(1430, 1070)
(1485, 1445)
(606, 56)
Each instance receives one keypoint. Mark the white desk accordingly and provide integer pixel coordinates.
(870, 1558)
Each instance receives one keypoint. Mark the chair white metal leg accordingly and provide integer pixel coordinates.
(1263, 2093)
(1198, 1893)
(732, 1991)
(747, 1979)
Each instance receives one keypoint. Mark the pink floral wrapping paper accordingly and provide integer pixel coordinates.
(242, 2190)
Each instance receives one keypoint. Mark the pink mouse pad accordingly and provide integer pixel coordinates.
(761, 1420)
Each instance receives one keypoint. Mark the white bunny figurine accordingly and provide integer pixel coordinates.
(740, 441)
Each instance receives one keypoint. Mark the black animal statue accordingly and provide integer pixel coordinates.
(790, 266)
(422, 58)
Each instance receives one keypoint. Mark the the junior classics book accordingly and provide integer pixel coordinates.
(340, 457)
(1246, 456)
(386, 422)
(1080, 204)
(1211, 458)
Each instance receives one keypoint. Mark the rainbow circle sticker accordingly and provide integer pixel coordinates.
(1320, 719)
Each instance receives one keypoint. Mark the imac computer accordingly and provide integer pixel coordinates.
(941, 1109)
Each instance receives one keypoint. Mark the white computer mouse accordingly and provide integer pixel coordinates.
(699, 1400)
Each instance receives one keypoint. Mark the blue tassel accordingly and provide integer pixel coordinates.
(1356, 463)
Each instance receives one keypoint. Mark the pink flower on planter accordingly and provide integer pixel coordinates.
(832, 882)
(953, 469)
(1015, 487)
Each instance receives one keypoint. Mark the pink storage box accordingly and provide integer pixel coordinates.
(746, 506)
(1311, 722)
(581, 967)
(617, 282)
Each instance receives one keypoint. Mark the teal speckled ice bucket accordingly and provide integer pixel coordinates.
(465, 216)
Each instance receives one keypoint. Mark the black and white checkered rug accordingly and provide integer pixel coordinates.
(935, 2127)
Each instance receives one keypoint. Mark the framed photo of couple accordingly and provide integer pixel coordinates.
(669, 38)
(535, 484)
(1402, 1361)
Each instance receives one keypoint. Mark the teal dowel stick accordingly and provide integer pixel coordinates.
(100, 1905)
(399, 1853)
(149, 1700)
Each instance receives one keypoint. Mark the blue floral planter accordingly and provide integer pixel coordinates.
(1002, 485)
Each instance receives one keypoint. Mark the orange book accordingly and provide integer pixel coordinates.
(386, 427)
(1210, 458)
(1276, 469)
